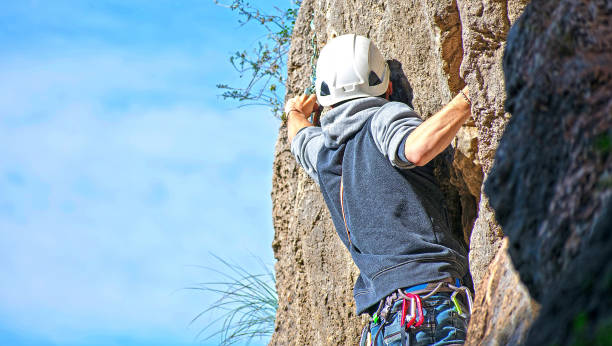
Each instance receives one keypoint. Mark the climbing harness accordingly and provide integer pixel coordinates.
(412, 315)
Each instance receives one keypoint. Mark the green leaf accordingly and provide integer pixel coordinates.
(266, 64)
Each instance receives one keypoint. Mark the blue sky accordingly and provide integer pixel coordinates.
(122, 170)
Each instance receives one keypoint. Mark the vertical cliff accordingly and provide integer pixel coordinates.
(435, 48)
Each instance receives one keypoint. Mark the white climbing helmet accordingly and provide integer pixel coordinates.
(350, 66)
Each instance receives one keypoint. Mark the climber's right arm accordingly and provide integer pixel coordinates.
(305, 139)
(436, 133)
(297, 109)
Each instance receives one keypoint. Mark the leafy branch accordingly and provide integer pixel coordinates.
(265, 65)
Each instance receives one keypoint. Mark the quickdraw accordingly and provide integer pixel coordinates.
(315, 55)
(311, 89)
(454, 300)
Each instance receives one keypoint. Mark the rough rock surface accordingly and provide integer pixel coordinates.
(435, 47)
(497, 319)
(552, 194)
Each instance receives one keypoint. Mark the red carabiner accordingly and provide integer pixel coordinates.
(419, 307)
(403, 320)
(416, 304)
(412, 315)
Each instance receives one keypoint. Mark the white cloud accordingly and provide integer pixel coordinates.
(104, 207)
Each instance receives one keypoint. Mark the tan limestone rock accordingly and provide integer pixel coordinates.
(433, 46)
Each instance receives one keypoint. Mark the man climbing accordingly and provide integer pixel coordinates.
(371, 159)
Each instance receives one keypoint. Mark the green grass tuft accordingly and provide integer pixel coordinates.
(246, 306)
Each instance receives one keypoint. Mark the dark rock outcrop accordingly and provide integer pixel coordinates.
(551, 183)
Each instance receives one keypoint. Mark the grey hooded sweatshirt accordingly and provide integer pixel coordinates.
(392, 217)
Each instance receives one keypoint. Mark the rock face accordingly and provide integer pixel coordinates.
(435, 47)
(552, 194)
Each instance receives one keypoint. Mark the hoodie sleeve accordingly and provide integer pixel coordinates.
(390, 127)
(306, 146)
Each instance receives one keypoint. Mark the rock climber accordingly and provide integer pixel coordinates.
(372, 159)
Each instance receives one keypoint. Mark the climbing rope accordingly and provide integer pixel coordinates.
(311, 89)
(313, 59)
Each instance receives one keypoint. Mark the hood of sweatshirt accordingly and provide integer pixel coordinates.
(342, 122)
